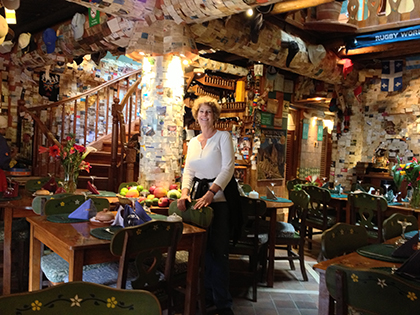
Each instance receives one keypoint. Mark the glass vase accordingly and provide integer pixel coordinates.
(415, 199)
(70, 179)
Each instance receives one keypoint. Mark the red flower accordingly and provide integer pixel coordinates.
(80, 148)
(72, 150)
(42, 149)
(414, 160)
(85, 166)
(54, 151)
(68, 138)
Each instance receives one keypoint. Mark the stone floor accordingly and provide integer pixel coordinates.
(290, 294)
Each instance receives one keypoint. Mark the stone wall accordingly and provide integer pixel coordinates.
(381, 120)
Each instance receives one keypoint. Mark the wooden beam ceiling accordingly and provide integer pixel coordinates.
(293, 5)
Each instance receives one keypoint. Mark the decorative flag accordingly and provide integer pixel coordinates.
(412, 62)
(357, 92)
(391, 79)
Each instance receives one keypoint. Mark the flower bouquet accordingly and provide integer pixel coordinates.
(410, 172)
(71, 156)
(310, 181)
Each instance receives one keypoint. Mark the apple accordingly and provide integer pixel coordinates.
(141, 199)
(163, 202)
(160, 192)
(152, 189)
(155, 201)
(148, 202)
(123, 191)
(140, 188)
(173, 186)
(174, 194)
(150, 197)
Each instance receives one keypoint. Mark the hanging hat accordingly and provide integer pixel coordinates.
(4, 29)
(49, 37)
(26, 42)
(11, 4)
(3, 122)
(78, 25)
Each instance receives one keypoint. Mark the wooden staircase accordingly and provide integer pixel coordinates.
(114, 162)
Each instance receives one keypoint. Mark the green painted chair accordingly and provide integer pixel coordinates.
(146, 243)
(291, 183)
(341, 239)
(33, 185)
(371, 291)
(81, 298)
(391, 228)
(293, 232)
(70, 203)
(253, 241)
(368, 211)
(320, 215)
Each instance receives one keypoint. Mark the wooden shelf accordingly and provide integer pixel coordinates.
(217, 82)
(233, 107)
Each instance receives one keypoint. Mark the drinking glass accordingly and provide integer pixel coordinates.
(404, 225)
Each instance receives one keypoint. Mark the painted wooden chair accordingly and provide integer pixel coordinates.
(291, 183)
(201, 218)
(341, 239)
(368, 211)
(391, 228)
(253, 243)
(81, 298)
(320, 215)
(371, 291)
(293, 232)
(140, 251)
(33, 185)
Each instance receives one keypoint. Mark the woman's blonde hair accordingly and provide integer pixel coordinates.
(209, 101)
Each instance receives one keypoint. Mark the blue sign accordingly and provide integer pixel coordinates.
(385, 37)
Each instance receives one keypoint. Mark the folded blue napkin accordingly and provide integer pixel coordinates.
(326, 185)
(86, 211)
(128, 216)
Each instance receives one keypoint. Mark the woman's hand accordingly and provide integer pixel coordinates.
(204, 201)
(182, 202)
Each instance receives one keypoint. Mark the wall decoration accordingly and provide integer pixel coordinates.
(320, 132)
(272, 155)
(240, 174)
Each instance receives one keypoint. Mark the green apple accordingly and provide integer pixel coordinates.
(123, 191)
(155, 201)
(140, 188)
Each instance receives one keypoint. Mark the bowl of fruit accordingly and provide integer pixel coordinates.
(129, 193)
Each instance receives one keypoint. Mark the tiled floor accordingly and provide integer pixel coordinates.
(290, 294)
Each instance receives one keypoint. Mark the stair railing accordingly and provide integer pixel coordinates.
(91, 117)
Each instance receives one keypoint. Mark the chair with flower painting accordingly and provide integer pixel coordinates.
(370, 291)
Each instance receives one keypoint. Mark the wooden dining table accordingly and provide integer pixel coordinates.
(352, 260)
(74, 243)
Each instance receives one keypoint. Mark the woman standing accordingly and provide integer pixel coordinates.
(209, 168)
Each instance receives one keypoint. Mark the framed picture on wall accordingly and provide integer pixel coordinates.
(240, 174)
(271, 155)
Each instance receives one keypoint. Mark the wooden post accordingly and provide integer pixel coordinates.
(112, 172)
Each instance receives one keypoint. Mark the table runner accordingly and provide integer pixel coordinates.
(380, 252)
(63, 218)
(278, 199)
